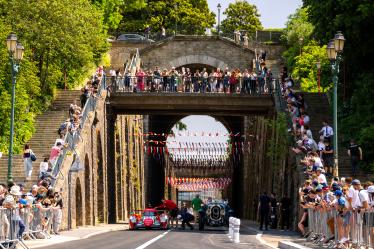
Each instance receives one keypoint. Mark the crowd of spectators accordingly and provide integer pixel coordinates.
(322, 190)
(39, 210)
(249, 81)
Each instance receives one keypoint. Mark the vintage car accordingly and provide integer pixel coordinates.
(218, 213)
(148, 219)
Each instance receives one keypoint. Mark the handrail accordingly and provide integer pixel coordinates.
(71, 138)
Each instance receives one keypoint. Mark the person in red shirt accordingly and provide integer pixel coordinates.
(172, 208)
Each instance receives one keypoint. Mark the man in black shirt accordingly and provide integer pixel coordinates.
(264, 209)
(355, 153)
(285, 210)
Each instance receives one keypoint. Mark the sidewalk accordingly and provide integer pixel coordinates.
(276, 238)
(75, 234)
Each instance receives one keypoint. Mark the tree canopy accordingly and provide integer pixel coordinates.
(241, 15)
(356, 89)
(190, 16)
(63, 40)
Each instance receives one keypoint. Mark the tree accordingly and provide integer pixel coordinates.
(241, 15)
(62, 39)
(305, 68)
(355, 19)
(191, 17)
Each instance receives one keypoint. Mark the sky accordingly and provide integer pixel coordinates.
(273, 13)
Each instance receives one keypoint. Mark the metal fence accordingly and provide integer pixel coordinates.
(18, 224)
(183, 84)
(332, 229)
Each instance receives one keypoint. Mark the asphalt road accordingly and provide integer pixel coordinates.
(154, 239)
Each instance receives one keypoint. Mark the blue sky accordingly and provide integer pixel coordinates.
(273, 13)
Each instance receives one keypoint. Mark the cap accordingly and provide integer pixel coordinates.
(371, 189)
(356, 182)
(338, 192)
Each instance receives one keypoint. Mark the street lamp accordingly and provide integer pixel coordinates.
(219, 19)
(334, 52)
(318, 64)
(16, 51)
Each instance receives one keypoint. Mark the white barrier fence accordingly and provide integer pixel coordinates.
(234, 229)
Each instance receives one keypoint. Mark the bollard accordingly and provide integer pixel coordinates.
(231, 228)
(236, 223)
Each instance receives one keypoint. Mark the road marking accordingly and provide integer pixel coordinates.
(153, 240)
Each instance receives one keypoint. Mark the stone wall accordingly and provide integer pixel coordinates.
(121, 51)
(85, 193)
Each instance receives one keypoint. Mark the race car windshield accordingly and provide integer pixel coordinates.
(149, 213)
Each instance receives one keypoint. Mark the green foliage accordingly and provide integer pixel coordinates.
(278, 146)
(355, 19)
(191, 16)
(241, 15)
(305, 68)
(62, 38)
(111, 10)
(181, 126)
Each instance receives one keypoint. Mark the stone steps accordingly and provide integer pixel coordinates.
(318, 108)
(46, 126)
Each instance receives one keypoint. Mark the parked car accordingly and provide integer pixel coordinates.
(133, 38)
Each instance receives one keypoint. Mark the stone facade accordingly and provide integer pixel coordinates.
(86, 193)
(180, 50)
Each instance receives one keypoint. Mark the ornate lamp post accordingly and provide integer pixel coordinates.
(176, 19)
(334, 53)
(318, 64)
(219, 19)
(16, 51)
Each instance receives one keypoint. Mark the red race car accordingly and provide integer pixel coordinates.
(148, 218)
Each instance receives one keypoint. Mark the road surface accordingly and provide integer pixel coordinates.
(154, 239)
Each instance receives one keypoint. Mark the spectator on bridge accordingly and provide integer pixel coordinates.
(187, 80)
(237, 36)
(261, 77)
(246, 82)
(165, 80)
(204, 80)
(219, 77)
(253, 81)
(140, 75)
(28, 158)
(233, 81)
(355, 153)
(245, 40)
(226, 79)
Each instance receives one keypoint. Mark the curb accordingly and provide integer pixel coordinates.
(291, 245)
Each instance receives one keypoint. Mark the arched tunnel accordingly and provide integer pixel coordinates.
(155, 168)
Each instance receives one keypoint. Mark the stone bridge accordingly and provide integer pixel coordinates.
(180, 50)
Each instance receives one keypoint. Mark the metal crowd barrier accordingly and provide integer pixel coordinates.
(17, 224)
(190, 84)
(333, 229)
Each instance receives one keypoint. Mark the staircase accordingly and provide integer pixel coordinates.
(46, 127)
(318, 108)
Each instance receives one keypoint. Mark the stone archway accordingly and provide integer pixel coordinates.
(78, 204)
(87, 190)
(100, 180)
(197, 59)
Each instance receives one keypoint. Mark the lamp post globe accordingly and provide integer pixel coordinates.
(219, 18)
(331, 52)
(339, 42)
(11, 42)
(19, 52)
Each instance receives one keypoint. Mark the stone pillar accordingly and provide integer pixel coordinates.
(111, 166)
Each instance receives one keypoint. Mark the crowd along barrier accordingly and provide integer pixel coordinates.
(332, 229)
(19, 224)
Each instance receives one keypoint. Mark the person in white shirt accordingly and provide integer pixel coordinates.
(60, 140)
(326, 131)
(364, 195)
(321, 176)
(353, 197)
(43, 167)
